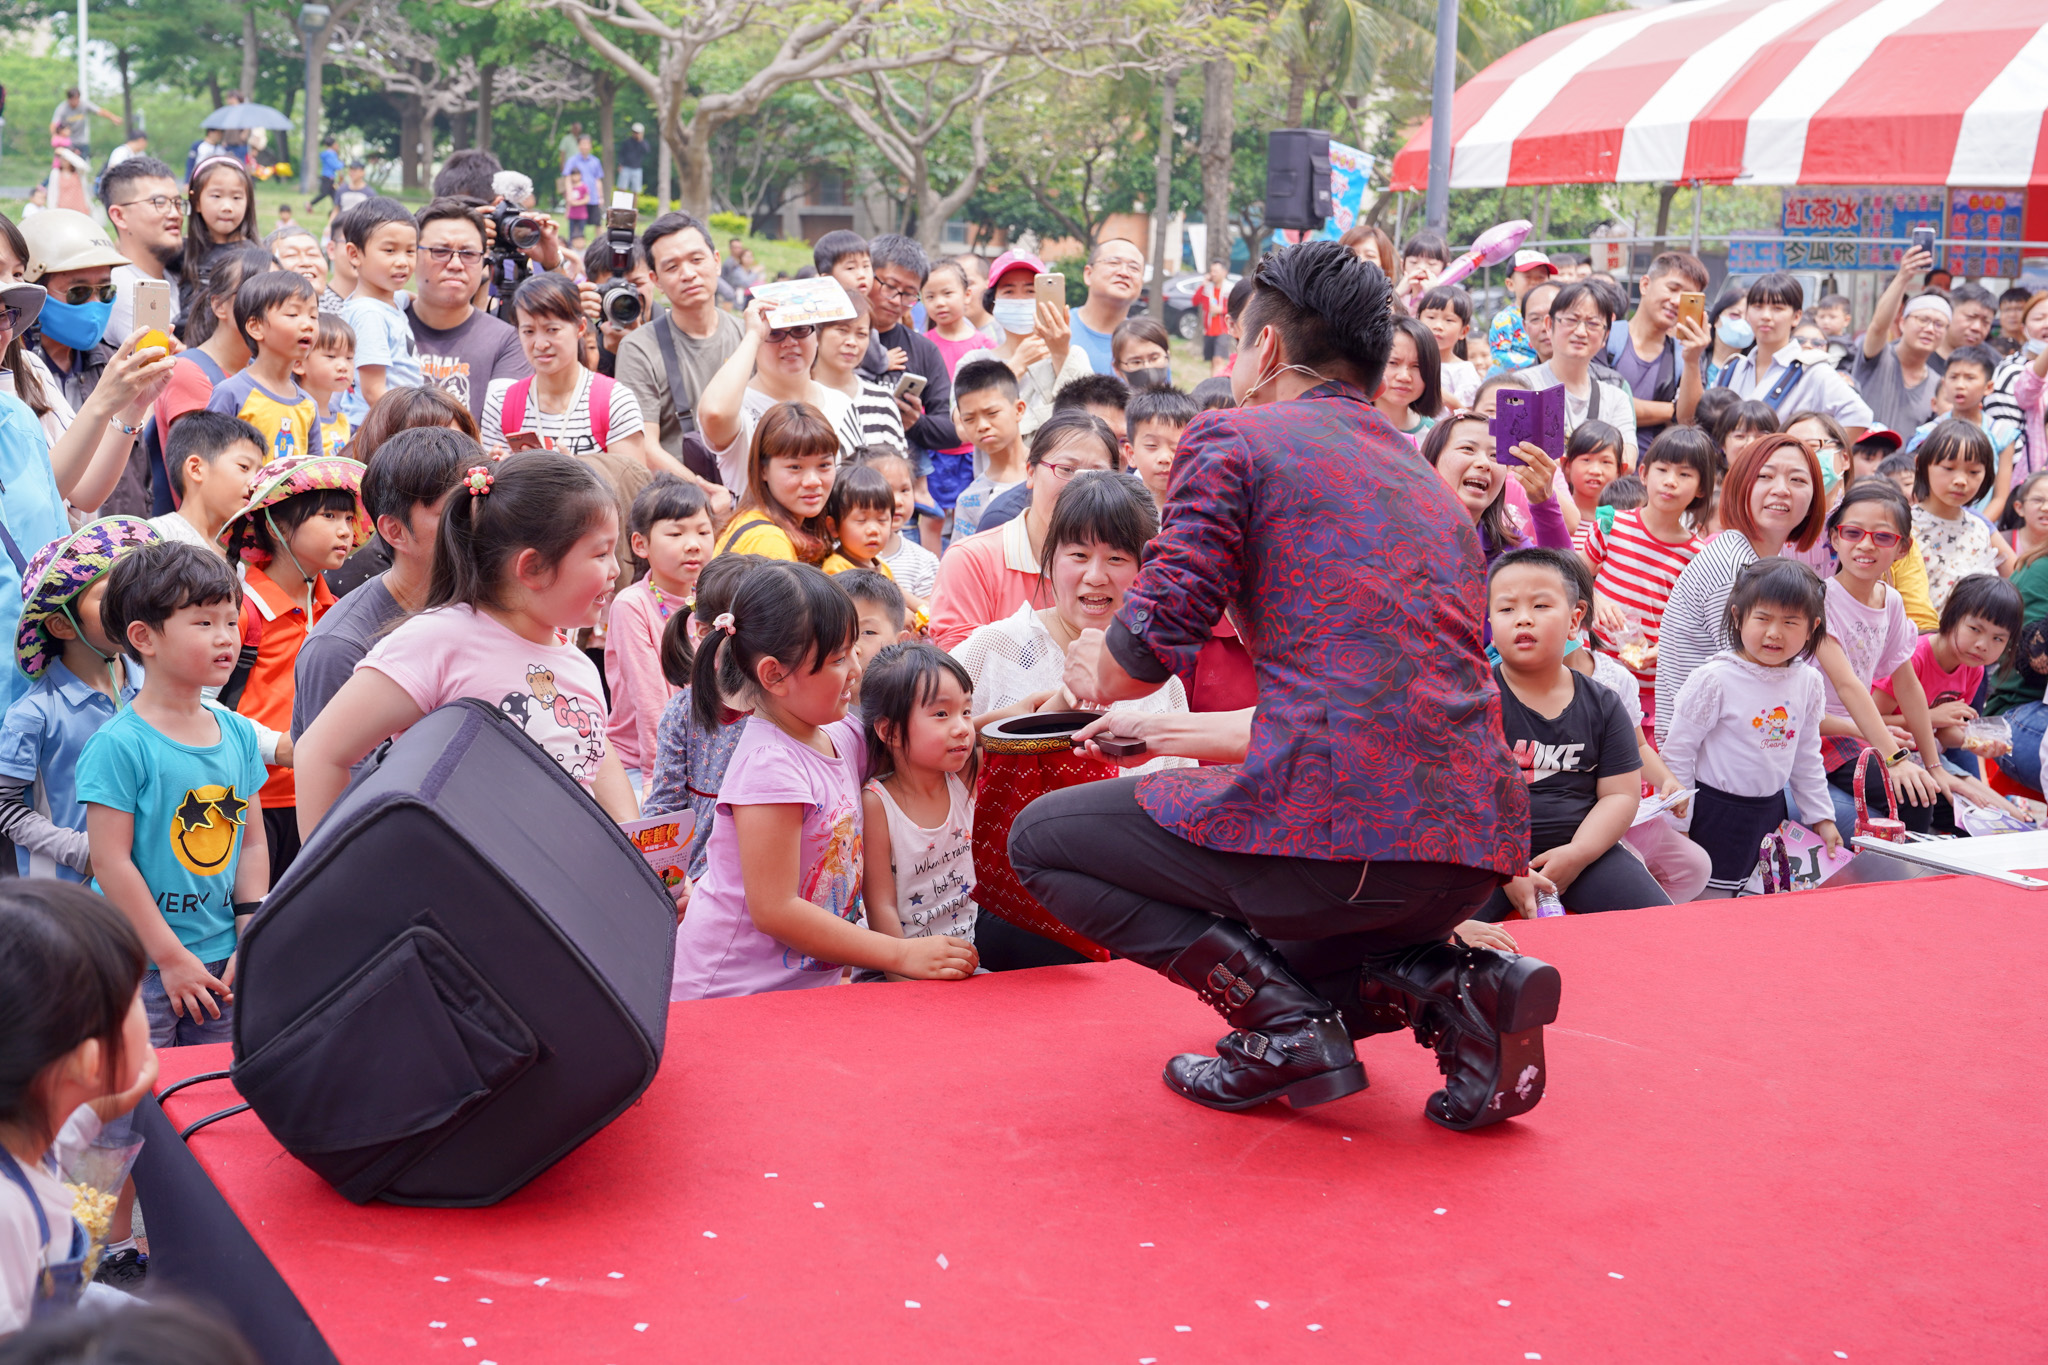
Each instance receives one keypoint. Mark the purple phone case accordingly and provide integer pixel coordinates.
(1537, 418)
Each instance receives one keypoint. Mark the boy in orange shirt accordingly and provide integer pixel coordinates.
(304, 517)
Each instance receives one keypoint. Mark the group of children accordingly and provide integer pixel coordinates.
(1740, 614)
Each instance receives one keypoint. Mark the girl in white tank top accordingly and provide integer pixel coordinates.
(917, 814)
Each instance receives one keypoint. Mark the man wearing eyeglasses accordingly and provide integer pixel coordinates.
(461, 347)
(1115, 277)
(900, 269)
(147, 209)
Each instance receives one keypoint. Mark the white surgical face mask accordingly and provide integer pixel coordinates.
(1015, 315)
(1736, 333)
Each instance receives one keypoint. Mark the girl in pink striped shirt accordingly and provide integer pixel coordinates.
(671, 526)
(1636, 561)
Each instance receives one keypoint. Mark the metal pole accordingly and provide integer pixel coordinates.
(1438, 211)
(1698, 194)
(84, 95)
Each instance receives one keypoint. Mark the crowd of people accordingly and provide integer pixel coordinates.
(780, 577)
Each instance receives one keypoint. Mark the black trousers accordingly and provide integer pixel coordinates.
(1616, 880)
(281, 828)
(1098, 862)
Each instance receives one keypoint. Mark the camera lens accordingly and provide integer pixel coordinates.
(524, 233)
(621, 307)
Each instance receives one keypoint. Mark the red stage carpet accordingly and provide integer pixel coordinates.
(1798, 1129)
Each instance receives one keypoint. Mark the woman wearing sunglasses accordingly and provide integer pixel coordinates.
(84, 445)
(772, 365)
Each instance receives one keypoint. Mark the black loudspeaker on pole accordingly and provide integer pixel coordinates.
(1297, 178)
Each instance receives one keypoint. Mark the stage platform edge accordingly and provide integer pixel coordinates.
(1787, 1129)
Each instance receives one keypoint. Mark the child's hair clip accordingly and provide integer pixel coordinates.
(723, 621)
(478, 480)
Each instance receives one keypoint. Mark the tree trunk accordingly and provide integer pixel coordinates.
(1219, 125)
(693, 169)
(1665, 194)
(411, 129)
(213, 88)
(127, 91)
(1162, 187)
(249, 49)
(1297, 93)
(664, 174)
(459, 131)
(485, 75)
(606, 87)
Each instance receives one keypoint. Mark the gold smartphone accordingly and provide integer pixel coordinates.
(153, 313)
(1693, 306)
(1049, 288)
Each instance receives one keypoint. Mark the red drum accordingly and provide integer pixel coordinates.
(1023, 758)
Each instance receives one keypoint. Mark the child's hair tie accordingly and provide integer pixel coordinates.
(723, 621)
(478, 480)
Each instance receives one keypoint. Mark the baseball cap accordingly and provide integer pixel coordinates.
(639, 128)
(1007, 263)
(1533, 260)
(1883, 436)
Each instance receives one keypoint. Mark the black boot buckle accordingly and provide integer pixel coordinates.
(1228, 990)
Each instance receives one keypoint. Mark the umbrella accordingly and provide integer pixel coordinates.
(1763, 92)
(247, 116)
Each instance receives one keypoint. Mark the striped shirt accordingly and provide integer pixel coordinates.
(1636, 571)
(568, 431)
(881, 421)
(1692, 628)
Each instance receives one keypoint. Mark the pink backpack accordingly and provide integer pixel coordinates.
(512, 415)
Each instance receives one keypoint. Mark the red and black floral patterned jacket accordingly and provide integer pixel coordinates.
(1356, 580)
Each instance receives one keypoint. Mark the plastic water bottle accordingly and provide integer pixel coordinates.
(1548, 905)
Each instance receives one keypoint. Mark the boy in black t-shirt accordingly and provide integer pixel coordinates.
(1575, 744)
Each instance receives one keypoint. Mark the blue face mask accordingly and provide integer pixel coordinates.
(77, 325)
(1736, 333)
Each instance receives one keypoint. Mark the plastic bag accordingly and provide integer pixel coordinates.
(95, 1174)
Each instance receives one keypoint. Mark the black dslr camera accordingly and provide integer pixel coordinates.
(618, 301)
(514, 231)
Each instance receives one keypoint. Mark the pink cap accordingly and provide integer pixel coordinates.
(1005, 263)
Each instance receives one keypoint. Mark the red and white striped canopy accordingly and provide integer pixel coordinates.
(1764, 92)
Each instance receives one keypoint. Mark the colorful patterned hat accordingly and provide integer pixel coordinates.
(287, 478)
(59, 574)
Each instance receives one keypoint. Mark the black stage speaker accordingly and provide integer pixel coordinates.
(1297, 178)
(463, 976)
